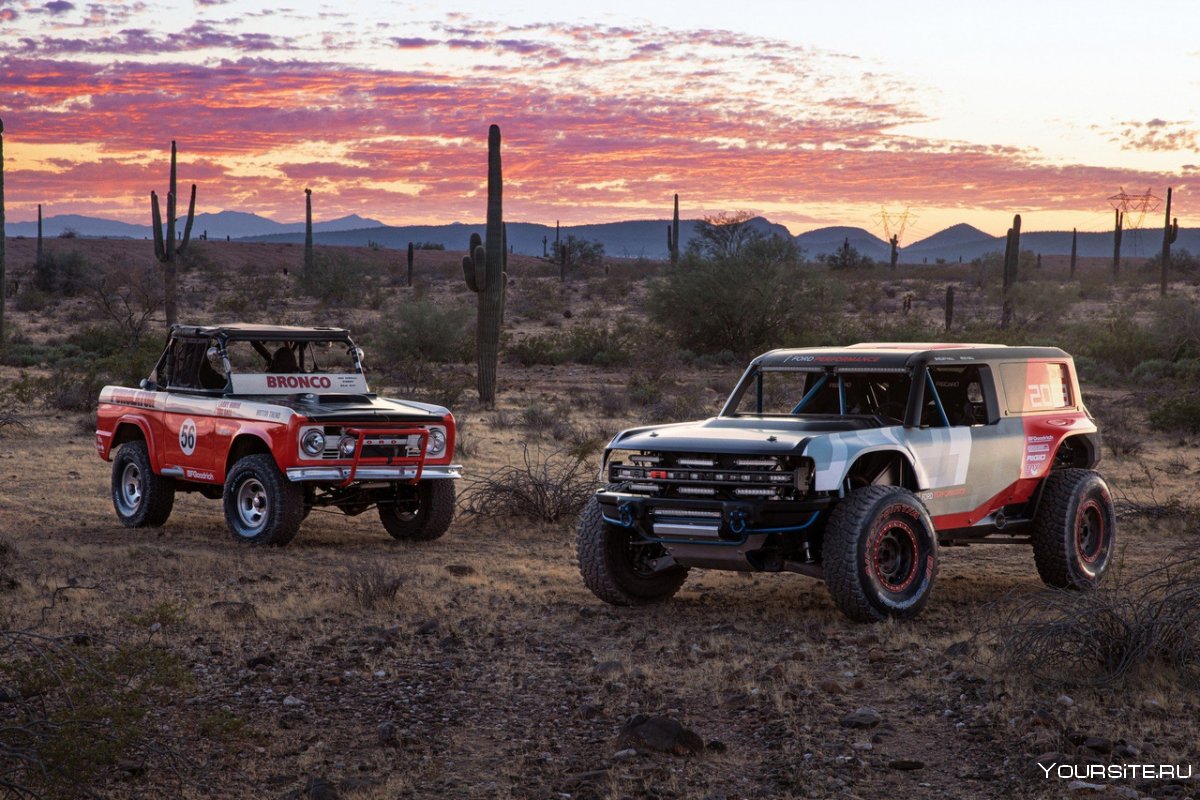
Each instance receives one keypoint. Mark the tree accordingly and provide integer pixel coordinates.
(845, 257)
(723, 235)
(573, 254)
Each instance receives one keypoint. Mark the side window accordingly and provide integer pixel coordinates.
(961, 392)
(1036, 386)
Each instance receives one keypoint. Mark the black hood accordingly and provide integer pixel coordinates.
(760, 435)
(361, 408)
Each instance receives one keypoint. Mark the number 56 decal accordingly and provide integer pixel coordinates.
(187, 436)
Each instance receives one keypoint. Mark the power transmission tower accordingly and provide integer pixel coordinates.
(1134, 208)
(894, 223)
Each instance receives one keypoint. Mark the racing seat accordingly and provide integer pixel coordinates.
(283, 361)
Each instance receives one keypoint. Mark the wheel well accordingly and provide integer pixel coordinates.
(1081, 451)
(245, 445)
(882, 468)
(127, 432)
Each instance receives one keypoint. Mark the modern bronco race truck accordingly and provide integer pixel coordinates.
(853, 465)
(277, 421)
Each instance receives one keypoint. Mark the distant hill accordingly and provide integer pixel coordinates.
(234, 224)
(828, 240)
(967, 243)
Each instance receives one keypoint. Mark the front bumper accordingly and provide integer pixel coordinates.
(721, 522)
(372, 473)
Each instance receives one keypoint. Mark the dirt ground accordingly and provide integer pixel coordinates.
(494, 673)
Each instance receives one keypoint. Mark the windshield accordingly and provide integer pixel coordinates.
(284, 358)
(787, 392)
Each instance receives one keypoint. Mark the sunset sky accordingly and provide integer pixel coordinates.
(811, 114)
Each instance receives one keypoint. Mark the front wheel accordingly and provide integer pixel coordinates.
(428, 520)
(1074, 530)
(141, 498)
(618, 565)
(262, 507)
(880, 554)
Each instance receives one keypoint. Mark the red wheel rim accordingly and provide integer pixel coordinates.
(894, 555)
(1090, 531)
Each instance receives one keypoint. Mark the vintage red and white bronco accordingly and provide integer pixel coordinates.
(276, 420)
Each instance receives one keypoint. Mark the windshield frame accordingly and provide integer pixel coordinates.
(751, 380)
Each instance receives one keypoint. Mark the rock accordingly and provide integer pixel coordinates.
(1126, 750)
(319, 789)
(906, 764)
(610, 669)
(385, 734)
(662, 734)
(291, 721)
(1098, 744)
(580, 780)
(235, 611)
(1083, 787)
(291, 701)
(265, 660)
(1065, 700)
(865, 717)
(831, 687)
(428, 627)
(717, 746)
(460, 570)
(876, 655)
(958, 649)
(625, 755)
(863, 746)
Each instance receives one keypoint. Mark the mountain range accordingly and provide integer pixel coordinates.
(629, 239)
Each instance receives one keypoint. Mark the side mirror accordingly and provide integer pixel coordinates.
(358, 353)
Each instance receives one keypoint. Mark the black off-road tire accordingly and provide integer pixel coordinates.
(880, 554)
(141, 498)
(433, 515)
(608, 561)
(1074, 530)
(262, 507)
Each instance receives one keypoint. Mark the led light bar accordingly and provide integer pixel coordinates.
(683, 512)
(643, 487)
(756, 462)
(646, 459)
(696, 490)
(747, 491)
(695, 462)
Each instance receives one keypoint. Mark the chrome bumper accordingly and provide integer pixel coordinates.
(325, 474)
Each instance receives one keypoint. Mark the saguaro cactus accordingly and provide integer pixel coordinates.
(411, 255)
(675, 234)
(894, 241)
(1170, 234)
(2, 234)
(483, 270)
(1012, 254)
(40, 252)
(949, 307)
(1074, 250)
(166, 251)
(309, 262)
(1118, 225)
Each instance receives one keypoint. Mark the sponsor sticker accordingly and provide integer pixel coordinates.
(198, 474)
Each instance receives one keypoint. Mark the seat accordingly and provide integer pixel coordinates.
(283, 361)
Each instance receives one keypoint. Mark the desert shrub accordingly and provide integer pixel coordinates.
(1122, 434)
(1107, 636)
(129, 297)
(440, 384)
(61, 274)
(32, 299)
(1176, 326)
(425, 331)
(1116, 341)
(612, 401)
(589, 343)
(371, 586)
(339, 279)
(8, 581)
(745, 304)
(1176, 410)
(80, 710)
(548, 488)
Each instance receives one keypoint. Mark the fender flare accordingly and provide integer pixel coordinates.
(825, 482)
(138, 421)
(247, 442)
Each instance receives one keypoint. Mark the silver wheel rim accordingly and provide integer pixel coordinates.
(252, 506)
(129, 493)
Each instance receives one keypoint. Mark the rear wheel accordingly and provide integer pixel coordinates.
(617, 565)
(141, 498)
(880, 554)
(262, 507)
(428, 520)
(1075, 529)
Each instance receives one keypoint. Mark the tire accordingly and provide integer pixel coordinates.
(880, 554)
(1074, 530)
(141, 498)
(433, 515)
(262, 507)
(609, 562)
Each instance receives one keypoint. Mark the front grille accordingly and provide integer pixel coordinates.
(373, 447)
(715, 477)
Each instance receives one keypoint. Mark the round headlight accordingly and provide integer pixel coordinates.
(436, 444)
(346, 446)
(313, 442)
